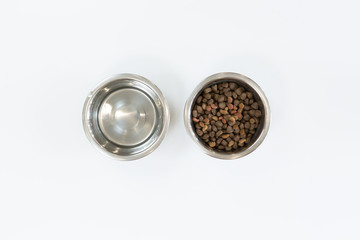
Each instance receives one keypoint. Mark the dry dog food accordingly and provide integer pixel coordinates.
(226, 116)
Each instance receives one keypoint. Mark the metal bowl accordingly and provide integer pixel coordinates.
(259, 95)
(126, 116)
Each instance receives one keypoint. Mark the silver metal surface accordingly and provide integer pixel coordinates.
(126, 116)
(246, 82)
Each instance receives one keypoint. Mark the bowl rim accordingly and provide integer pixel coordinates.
(231, 76)
(103, 83)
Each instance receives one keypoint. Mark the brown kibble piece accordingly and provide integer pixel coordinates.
(207, 96)
(242, 132)
(221, 98)
(241, 142)
(212, 144)
(230, 99)
(223, 112)
(255, 105)
(231, 143)
(222, 105)
(213, 106)
(208, 108)
(232, 85)
(199, 132)
(203, 106)
(241, 106)
(214, 87)
(205, 136)
(243, 96)
(229, 129)
(249, 95)
(207, 90)
(258, 113)
(225, 136)
(228, 94)
(219, 133)
(219, 124)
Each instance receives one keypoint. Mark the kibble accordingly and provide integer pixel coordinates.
(243, 96)
(226, 116)
(255, 105)
(222, 105)
(212, 144)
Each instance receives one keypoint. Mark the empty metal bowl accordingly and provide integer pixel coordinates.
(126, 116)
(259, 95)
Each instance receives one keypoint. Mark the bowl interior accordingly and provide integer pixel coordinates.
(261, 125)
(132, 142)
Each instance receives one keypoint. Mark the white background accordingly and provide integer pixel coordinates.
(303, 182)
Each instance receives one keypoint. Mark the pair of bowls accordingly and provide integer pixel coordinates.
(126, 116)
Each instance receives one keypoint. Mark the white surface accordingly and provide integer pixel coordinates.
(302, 183)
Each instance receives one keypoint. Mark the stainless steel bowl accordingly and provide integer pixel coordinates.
(246, 82)
(126, 116)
